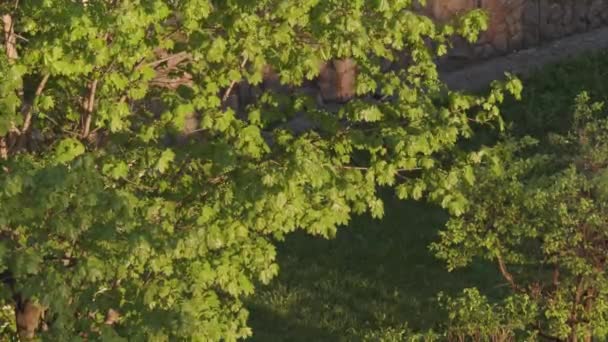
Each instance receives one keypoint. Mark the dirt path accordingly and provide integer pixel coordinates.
(524, 62)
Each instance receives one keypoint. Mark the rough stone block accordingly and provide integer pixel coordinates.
(444, 10)
(522, 23)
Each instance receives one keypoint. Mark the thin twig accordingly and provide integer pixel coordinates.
(28, 114)
(229, 90)
(75, 134)
(91, 101)
(365, 168)
(21, 37)
(505, 273)
(89, 110)
(168, 58)
(361, 168)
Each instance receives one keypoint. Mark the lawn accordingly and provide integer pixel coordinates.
(377, 278)
(371, 279)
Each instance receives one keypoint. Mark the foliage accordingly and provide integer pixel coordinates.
(347, 284)
(8, 321)
(366, 282)
(99, 211)
(540, 214)
(471, 316)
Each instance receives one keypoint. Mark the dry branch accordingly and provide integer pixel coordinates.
(90, 105)
(234, 82)
(506, 274)
(27, 121)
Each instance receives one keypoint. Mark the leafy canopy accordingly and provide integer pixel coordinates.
(100, 210)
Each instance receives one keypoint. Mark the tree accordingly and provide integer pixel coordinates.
(539, 210)
(110, 227)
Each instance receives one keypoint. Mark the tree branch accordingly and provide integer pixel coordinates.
(505, 273)
(229, 90)
(555, 277)
(28, 111)
(89, 110)
(184, 55)
(3, 148)
(365, 168)
(578, 294)
(545, 335)
(10, 40)
(28, 114)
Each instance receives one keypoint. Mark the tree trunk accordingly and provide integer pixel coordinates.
(27, 315)
(10, 39)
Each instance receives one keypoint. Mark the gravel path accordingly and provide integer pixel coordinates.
(522, 63)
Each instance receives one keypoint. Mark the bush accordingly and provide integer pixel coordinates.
(538, 209)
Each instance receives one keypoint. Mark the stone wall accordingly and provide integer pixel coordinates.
(518, 24)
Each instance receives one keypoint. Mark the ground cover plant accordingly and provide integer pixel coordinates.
(114, 225)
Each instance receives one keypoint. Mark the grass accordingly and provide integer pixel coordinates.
(373, 277)
(549, 94)
(377, 279)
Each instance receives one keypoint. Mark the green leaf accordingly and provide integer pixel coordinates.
(68, 149)
(117, 171)
(469, 175)
(165, 159)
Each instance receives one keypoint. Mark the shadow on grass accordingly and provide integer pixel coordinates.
(375, 276)
(548, 95)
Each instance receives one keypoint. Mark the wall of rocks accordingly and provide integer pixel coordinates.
(518, 24)
(514, 25)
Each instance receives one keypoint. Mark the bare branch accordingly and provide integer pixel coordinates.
(365, 168)
(91, 101)
(16, 136)
(89, 110)
(10, 39)
(3, 148)
(21, 37)
(574, 311)
(28, 113)
(349, 167)
(163, 80)
(555, 277)
(182, 56)
(229, 90)
(505, 273)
